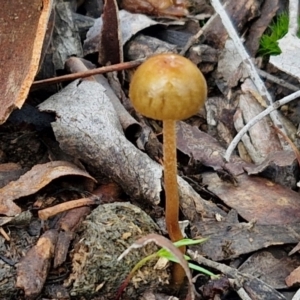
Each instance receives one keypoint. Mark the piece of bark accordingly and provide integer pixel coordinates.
(97, 138)
(47, 213)
(72, 219)
(32, 270)
(281, 167)
(156, 7)
(61, 250)
(205, 149)
(22, 33)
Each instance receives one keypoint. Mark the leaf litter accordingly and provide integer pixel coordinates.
(240, 213)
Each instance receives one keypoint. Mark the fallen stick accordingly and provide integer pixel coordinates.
(46, 213)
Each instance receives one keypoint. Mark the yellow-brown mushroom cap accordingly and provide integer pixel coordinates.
(168, 87)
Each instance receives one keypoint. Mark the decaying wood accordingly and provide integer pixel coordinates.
(33, 268)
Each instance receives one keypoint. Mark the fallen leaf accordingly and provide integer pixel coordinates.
(271, 266)
(279, 166)
(32, 181)
(110, 47)
(293, 278)
(257, 198)
(66, 40)
(130, 24)
(206, 149)
(228, 239)
(23, 27)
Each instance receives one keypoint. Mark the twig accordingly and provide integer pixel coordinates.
(278, 81)
(231, 272)
(111, 68)
(243, 294)
(46, 213)
(257, 118)
(4, 234)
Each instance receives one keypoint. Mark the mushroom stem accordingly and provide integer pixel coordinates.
(171, 191)
(170, 179)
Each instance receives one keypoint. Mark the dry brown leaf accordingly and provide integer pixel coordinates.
(229, 239)
(206, 149)
(110, 50)
(130, 24)
(257, 198)
(271, 266)
(23, 27)
(31, 182)
(293, 278)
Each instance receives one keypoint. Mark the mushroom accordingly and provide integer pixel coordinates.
(169, 87)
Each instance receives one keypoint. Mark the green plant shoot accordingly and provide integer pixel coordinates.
(277, 30)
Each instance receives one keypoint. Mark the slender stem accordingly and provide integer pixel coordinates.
(171, 190)
(170, 178)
